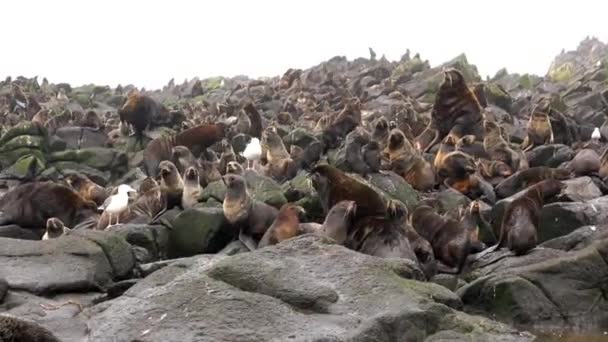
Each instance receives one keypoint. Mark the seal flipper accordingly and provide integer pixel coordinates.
(247, 241)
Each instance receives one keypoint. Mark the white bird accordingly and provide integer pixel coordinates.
(253, 152)
(116, 204)
(596, 134)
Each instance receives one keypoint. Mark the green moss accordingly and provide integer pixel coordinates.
(10, 157)
(23, 164)
(28, 141)
(562, 73)
(212, 83)
(23, 128)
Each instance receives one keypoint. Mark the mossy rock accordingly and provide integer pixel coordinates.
(57, 144)
(469, 71)
(500, 74)
(498, 96)
(97, 176)
(82, 99)
(405, 70)
(23, 128)
(26, 141)
(395, 187)
(10, 157)
(527, 81)
(198, 231)
(211, 203)
(215, 190)
(265, 189)
(23, 165)
(212, 83)
(562, 73)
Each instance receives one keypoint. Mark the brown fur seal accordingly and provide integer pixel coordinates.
(30, 205)
(522, 217)
(182, 157)
(604, 164)
(383, 236)
(448, 145)
(171, 183)
(472, 147)
(251, 218)
(498, 148)
(381, 131)
(339, 221)
(139, 111)
(192, 188)
(285, 226)
(235, 168)
(398, 146)
(14, 329)
(491, 169)
(423, 250)
(456, 110)
(416, 171)
(276, 155)
(227, 155)
(196, 139)
(41, 117)
(92, 120)
(86, 188)
(147, 185)
(347, 120)
(450, 239)
(54, 229)
(334, 186)
(525, 178)
(456, 166)
(539, 131)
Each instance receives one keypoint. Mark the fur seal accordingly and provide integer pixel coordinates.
(139, 111)
(472, 147)
(41, 117)
(398, 146)
(276, 155)
(498, 148)
(339, 221)
(347, 120)
(250, 218)
(539, 131)
(30, 205)
(182, 157)
(192, 188)
(256, 128)
(525, 178)
(171, 183)
(518, 229)
(227, 155)
(334, 186)
(86, 188)
(456, 110)
(235, 168)
(285, 226)
(381, 131)
(450, 238)
(91, 120)
(14, 329)
(196, 139)
(355, 162)
(54, 229)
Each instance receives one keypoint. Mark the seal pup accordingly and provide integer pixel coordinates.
(171, 183)
(235, 168)
(252, 152)
(518, 229)
(285, 226)
(192, 188)
(14, 329)
(54, 229)
(249, 217)
(339, 220)
(30, 205)
(116, 204)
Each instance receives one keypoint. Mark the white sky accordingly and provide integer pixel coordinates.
(149, 42)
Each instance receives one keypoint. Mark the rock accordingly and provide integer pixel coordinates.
(549, 155)
(579, 238)
(90, 138)
(559, 219)
(215, 190)
(27, 166)
(299, 137)
(233, 248)
(15, 232)
(544, 288)
(198, 231)
(153, 238)
(68, 263)
(580, 189)
(70, 136)
(103, 159)
(23, 128)
(395, 187)
(264, 189)
(67, 167)
(289, 292)
(10, 157)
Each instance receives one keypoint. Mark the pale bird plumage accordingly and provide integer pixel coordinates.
(596, 133)
(116, 204)
(253, 151)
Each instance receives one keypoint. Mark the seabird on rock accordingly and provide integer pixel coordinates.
(596, 134)
(253, 152)
(116, 204)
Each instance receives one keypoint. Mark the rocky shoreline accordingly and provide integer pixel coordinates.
(183, 276)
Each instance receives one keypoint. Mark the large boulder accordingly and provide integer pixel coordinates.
(198, 231)
(543, 289)
(305, 289)
(80, 262)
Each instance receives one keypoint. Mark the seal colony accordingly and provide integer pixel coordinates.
(343, 141)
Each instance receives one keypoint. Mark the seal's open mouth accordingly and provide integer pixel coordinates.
(191, 173)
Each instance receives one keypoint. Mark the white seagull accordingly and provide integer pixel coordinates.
(596, 134)
(116, 204)
(253, 151)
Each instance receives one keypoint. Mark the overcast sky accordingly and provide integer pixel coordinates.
(149, 42)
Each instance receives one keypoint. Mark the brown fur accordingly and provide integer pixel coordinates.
(192, 188)
(472, 147)
(518, 229)
(450, 238)
(347, 120)
(284, 227)
(604, 164)
(456, 110)
(339, 221)
(276, 155)
(448, 145)
(334, 186)
(41, 117)
(525, 178)
(171, 183)
(14, 329)
(87, 189)
(148, 205)
(493, 168)
(498, 148)
(139, 111)
(381, 131)
(397, 146)
(427, 138)
(423, 250)
(415, 170)
(92, 120)
(196, 139)
(539, 131)
(235, 168)
(249, 217)
(30, 205)
(55, 228)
